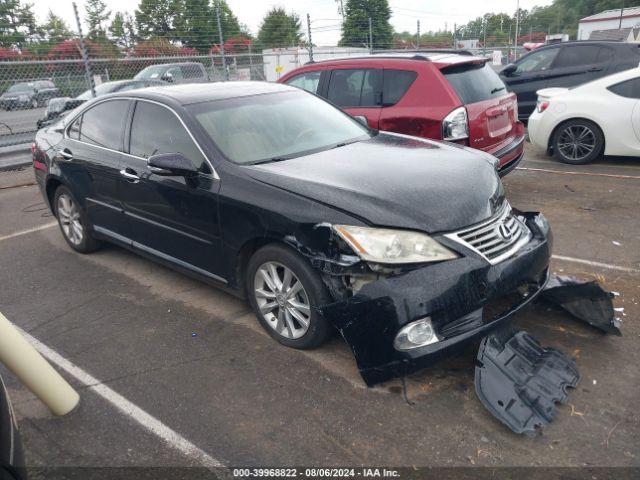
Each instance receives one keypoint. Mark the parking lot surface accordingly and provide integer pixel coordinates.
(196, 359)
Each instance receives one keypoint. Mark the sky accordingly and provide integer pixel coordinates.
(433, 14)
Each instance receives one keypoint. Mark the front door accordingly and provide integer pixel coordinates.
(173, 217)
(91, 161)
(531, 75)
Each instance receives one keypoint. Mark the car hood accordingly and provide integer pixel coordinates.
(395, 181)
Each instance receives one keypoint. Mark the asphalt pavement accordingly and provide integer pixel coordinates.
(195, 359)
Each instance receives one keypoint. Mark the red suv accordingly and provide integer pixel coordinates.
(439, 95)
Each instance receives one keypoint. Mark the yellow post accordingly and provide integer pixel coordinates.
(34, 371)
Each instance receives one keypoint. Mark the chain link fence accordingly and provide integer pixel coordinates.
(28, 86)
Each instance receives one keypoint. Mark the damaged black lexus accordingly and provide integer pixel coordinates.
(406, 246)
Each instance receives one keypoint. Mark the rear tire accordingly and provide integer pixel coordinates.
(578, 142)
(285, 291)
(73, 222)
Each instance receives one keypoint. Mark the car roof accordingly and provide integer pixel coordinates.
(176, 64)
(440, 57)
(611, 43)
(189, 93)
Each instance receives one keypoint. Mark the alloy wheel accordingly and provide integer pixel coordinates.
(282, 300)
(576, 142)
(69, 217)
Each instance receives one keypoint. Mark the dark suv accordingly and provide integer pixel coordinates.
(28, 94)
(565, 65)
(439, 95)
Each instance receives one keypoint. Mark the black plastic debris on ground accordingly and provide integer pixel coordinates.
(520, 382)
(585, 300)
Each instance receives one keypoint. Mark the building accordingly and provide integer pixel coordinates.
(629, 35)
(608, 20)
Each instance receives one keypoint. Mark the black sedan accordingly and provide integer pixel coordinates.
(406, 246)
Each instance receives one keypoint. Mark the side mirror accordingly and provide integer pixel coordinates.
(361, 119)
(167, 77)
(171, 164)
(509, 70)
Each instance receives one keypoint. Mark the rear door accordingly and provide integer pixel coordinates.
(91, 160)
(577, 64)
(531, 75)
(491, 110)
(173, 217)
(358, 91)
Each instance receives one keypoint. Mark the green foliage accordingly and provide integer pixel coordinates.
(157, 18)
(96, 17)
(355, 29)
(279, 29)
(17, 24)
(122, 30)
(55, 29)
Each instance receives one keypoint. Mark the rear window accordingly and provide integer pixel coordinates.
(629, 88)
(474, 83)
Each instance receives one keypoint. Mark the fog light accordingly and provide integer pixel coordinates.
(416, 334)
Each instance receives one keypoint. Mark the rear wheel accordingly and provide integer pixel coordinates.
(285, 291)
(73, 222)
(578, 142)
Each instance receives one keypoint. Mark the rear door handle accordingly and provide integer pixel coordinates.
(130, 175)
(66, 154)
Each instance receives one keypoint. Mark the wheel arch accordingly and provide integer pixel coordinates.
(569, 119)
(51, 186)
(246, 251)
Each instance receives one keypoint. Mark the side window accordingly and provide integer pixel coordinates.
(605, 55)
(577, 56)
(191, 71)
(307, 81)
(155, 129)
(176, 73)
(354, 88)
(537, 61)
(629, 89)
(102, 125)
(395, 85)
(74, 129)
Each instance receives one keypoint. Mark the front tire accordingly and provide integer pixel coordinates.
(285, 291)
(73, 222)
(578, 142)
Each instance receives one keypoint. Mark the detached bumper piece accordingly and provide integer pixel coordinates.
(520, 382)
(586, 301)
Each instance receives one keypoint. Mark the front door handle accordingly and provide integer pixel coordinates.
(130, 175)
(66, 154)
(594, 69)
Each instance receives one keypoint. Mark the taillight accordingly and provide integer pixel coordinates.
(455, 126)
(542, 105)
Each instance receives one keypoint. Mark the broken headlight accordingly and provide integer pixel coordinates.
(388, 246)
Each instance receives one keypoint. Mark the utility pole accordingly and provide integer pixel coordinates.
(418, 37)
(515, 50)
(370, 37)
(621, 13)
(85, 58)
(484, 34)
(455, 42)
(224, 61)
(341, 8)
(309, 35)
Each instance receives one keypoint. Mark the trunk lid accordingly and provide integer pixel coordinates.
(492, 111)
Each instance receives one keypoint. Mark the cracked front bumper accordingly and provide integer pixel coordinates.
(465, 298)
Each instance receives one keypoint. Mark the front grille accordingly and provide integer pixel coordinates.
(497, 238)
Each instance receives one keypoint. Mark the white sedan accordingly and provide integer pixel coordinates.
(580, 124)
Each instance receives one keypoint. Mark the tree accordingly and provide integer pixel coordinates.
(157, 18)
(355, 28)
(122, 30)
(17, 24)
(55, 29)
(197, 26)
(96, 17)
(279, 29)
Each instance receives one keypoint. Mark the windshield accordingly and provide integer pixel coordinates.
(20, 87)
(101, 89)
(155, 71)
(275, 126)
(475, 83)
